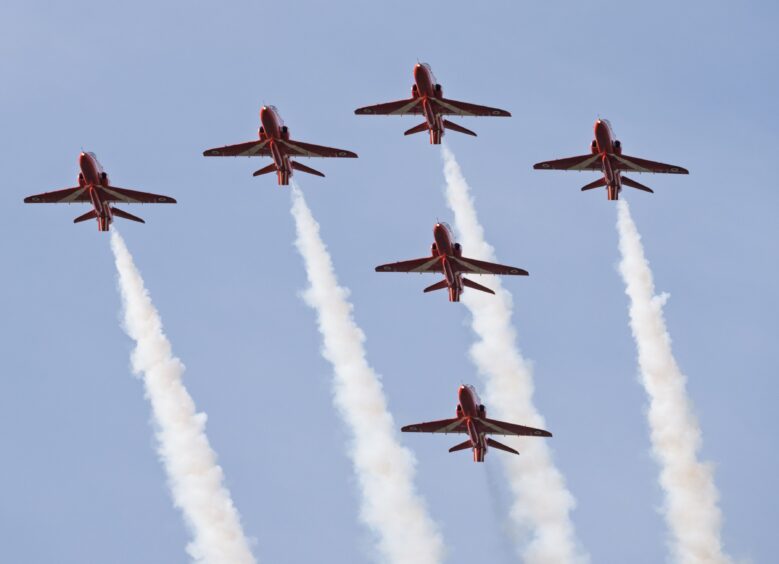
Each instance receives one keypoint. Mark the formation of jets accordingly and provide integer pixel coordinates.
(446, 258)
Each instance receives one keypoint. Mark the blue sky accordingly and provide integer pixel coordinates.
(149, 86)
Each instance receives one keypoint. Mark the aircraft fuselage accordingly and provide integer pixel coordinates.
(469, 407)
(91, 176)
(606, 145)
(446, 247)
(425, 88)
(274, 130)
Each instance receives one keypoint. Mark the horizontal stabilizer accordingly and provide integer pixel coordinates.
(637, 185)
(124, 215)
(437, 286)
(475, 286)
(417, 129)
(459, 128)
(461, 446)
(265, 170)
(306, 169)
(89, 215)
(495, 444)
(596, 184)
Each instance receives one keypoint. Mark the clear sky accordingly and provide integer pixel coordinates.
(148, 86)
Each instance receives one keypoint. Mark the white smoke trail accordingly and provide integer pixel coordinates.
(384, 469)
(690, 494)
(542, 503)
(195, 478)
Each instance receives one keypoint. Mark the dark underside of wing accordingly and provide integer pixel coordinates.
(634, 164)
(495, 427)
(427, 264)
(65, 196)
(256, 148)
(581, 162)
(409, 106)
(116, 194)
(442, 426)
(445, 106)
(474, 266)
(301, 149)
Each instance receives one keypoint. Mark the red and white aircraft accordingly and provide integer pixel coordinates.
(472, 420)
(427, 99)
(606, 156)
(94, 186)
(274, 142)
(446, 258)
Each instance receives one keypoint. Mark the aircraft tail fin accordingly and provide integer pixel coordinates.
(596, 184)
(437, 286)
(124, 215)
(303, 168)
(461, 446)
(417, 129)
(265, 170)
(89, 215)
(638, 186)
(501, 446)
(459, 128)
(475, 286)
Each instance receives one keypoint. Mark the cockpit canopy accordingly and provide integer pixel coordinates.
(475, 394)
(430, 70)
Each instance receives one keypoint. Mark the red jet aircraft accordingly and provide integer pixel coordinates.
(472, 419)
(427, 99)
(606, 156)
(447, 259)
(274, 142)
(94, 186)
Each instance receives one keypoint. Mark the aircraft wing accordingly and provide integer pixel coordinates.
(427, 264)
(115, 194)
(582, 162)
(442, 426)
(482, 267)
(409, 106)
(249, 149)
(300, 149)
(635, 164)
(65, 196)
(457, 108)
(494, 427)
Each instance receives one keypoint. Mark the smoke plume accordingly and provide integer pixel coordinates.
(542, 503)
(194, 477)
(390, 505)
(690, 507)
